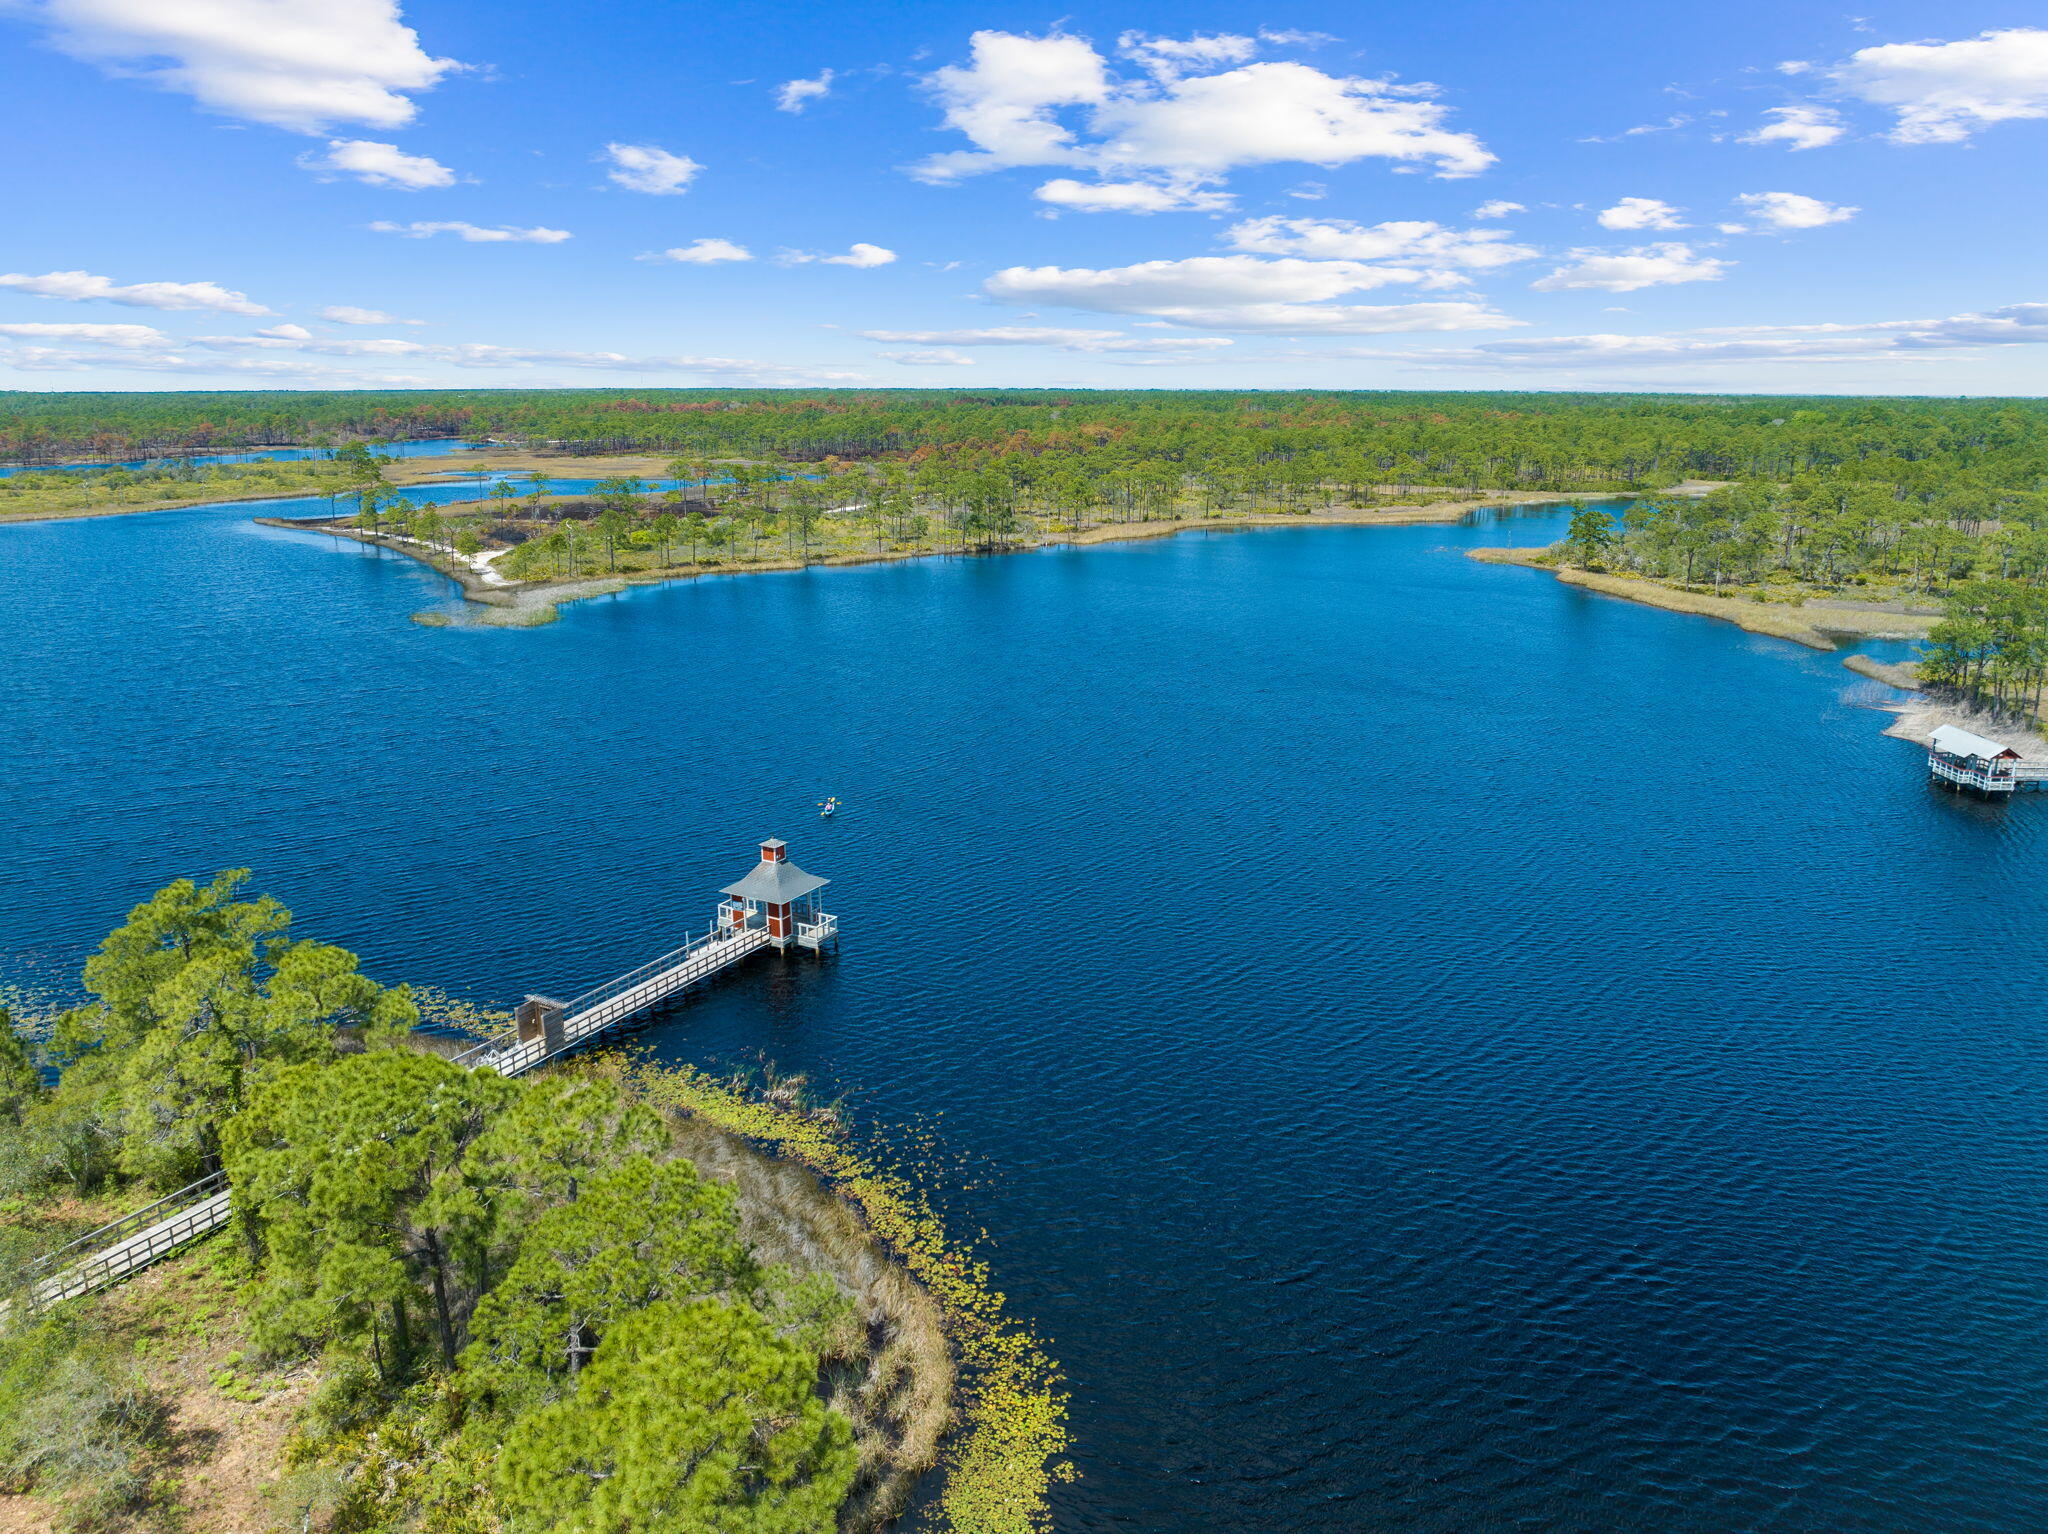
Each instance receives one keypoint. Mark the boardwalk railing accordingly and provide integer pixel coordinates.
(118, 1230)
(617, 1001)
(136, 1240)
(141, 1239)
(138, 1251)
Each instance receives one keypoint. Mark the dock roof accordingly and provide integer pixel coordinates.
(775, 883)
(1957, 741)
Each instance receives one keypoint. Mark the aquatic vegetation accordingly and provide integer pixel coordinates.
(1014, 1428)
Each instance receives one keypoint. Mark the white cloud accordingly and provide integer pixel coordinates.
(299, 64)
(474, 234)
(124, 336)
(651, 169)
(1047, 335)
(1238, 293)
(1131, 197)
(1798, 127)
(1268, 113)
(791, 95)
(1168, 57)
(1173, 125)
(1641, 213)
(349, 314)
(377, 164)
(271, 353)
(286, 332)
(50, 360)
(1882, 341)
(1944, 92)
(1005, 101)
(1574, 352)
(706, 251)
(1498, 208)
(939, 358)
(1346, 319)
(860, 254)
(1416, 241)
(1790, 210)
(725, 369)
(1670, 125)
(80, 286)
(272, 341)
(1646, 266)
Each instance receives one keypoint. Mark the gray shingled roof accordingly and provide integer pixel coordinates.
(775, 884)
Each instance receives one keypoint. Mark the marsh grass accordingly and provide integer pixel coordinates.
(1000, 1467)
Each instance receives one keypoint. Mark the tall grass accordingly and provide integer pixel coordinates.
(1014, 1415)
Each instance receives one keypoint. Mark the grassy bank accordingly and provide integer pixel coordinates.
(51, 495)
(1815, 624)
(525, 593)
(1013, 1409)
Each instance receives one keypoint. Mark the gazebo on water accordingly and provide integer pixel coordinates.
(781, 898)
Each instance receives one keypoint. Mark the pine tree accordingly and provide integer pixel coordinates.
(693, 1418)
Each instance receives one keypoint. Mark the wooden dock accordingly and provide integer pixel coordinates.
(618, 1002)
(1960, 758)
(747, 923)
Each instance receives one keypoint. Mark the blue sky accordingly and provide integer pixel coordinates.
(357, 193)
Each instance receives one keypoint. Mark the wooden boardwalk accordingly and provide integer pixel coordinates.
(616, 1002)
(111, 1253)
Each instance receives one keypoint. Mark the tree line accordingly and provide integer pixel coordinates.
(530, 1312)
(1974, 548)
(1825, 531)
(1500, 440)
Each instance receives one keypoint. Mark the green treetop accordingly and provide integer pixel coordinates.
(356, 1178)
(693, 1418)
(637, 1233)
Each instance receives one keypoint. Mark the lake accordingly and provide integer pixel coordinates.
(1432, 1049)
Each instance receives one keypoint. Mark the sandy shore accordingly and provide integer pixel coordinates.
(1920, 715)
(526, 604)
(1817, 624)
(9, 519)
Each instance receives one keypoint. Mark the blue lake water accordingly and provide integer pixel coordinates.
(1432, 1049)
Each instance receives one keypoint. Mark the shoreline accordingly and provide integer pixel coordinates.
(1916, 717)
(536, 601)
(83, 512)
(1811, 625)
(399, 476)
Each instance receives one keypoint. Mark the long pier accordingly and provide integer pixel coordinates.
(773, 907)
(570, 1025)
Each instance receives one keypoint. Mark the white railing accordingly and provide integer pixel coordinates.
(148, 1215)
(137, 1251)
(204, 1205)
(814, 934)
(1971, 777)
(621, 999)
